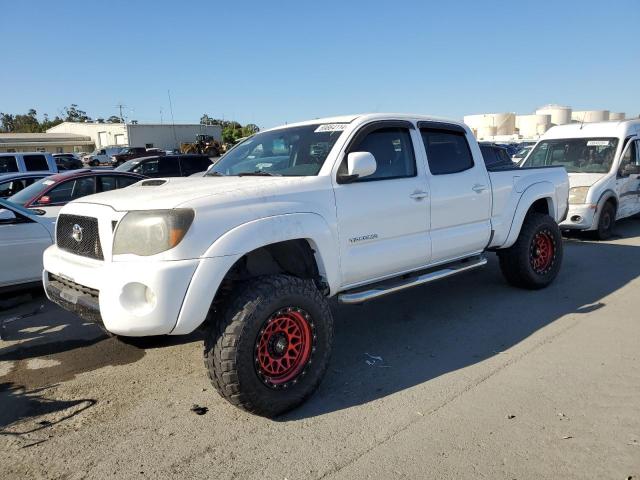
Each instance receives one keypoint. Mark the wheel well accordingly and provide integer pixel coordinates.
(612, 201)
(291, 257)
(540, 206)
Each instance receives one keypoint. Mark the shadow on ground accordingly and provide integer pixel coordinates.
(429, 331)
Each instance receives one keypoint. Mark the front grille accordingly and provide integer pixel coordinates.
(64, 282)
(85, 242)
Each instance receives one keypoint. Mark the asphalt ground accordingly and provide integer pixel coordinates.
(465, 378)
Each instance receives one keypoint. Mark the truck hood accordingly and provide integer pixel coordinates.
(584, 179)
(165, 193)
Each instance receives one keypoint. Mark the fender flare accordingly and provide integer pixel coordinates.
(604, 197)
(533, 193)
(222, 254)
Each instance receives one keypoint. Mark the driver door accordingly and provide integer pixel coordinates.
(22, 242)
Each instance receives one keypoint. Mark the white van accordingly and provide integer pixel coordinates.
(19, 162)
(603, 162)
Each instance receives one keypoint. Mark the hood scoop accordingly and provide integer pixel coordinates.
(153, 183)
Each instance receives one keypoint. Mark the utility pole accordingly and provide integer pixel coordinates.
(120, 107)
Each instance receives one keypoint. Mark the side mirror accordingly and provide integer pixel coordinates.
(44, 200)
(359, 165)
(6, 216)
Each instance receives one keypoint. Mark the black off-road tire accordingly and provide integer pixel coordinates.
(520, 263)
(231, 345)
(606, 222)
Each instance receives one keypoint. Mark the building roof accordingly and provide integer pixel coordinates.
(42, 139)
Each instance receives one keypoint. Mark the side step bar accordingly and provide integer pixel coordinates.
(364, 294)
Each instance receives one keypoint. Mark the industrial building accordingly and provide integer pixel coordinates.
(149, 135)
(508, 127)
(45, 142)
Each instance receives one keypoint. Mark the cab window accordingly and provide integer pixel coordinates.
(393, 151)
(35, 162)
(8, 164)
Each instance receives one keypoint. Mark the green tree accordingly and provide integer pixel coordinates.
(74, 114)
(114, 119)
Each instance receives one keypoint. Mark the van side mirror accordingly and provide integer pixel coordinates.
(359, 165)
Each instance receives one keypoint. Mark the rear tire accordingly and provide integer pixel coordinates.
(269, 350)
(606, 222)
(533, 262)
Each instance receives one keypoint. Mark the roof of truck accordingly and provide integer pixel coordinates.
(369, 117)
(614, 128)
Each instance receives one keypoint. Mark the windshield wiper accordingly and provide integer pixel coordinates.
(214, 174)
(259, 173)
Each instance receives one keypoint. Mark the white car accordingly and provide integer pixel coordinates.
(102, 156)
(24, 235)
(603, 161)
(355, 207)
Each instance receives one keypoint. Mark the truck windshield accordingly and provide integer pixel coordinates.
(290, 152)
(576, 155)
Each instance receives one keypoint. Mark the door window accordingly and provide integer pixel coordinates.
(107, 183)
(629, 160)
(191, 165)
(447, 151)
(11, 187)
(393, 151)
(147, 168)
(8, 164)
(35, 162)
(72, 189)
(126, 181)
(168, 167)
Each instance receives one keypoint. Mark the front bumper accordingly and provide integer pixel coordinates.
(131, 299)
(580, 217)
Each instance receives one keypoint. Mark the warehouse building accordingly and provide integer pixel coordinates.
(149, 135)
(509, 127)
(45, 142)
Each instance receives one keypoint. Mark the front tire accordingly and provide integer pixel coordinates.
(269, 350)
(533, 262)
(606, 221)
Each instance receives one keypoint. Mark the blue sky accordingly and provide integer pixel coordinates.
(283, 61)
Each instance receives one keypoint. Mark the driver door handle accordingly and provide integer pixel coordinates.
(478, 188)
(419, 195)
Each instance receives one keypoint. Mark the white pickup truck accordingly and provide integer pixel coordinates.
(355, 207)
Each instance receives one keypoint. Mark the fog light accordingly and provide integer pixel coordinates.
(137, 298)
(576, 219)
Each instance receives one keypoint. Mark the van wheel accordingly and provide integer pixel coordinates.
(269, 351)
(606, 222)
(533, 262)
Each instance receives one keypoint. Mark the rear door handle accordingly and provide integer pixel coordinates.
(479, 188)
(419, 195)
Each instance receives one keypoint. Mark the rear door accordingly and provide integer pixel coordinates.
(383, 218)
(460, 193)
(191, 165)
(168, 167)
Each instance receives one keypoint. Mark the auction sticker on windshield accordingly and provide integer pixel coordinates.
(598, 143)
(331, 127)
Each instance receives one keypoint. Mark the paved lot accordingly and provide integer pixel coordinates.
(477, 380)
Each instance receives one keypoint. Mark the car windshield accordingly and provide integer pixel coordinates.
(290, 152)
(577, 155)
(127, 166)
(23, 196)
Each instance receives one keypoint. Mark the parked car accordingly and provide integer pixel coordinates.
(521, 154)
(355, 207)
(51, 193)
(67, 161)
(129, 153)
(495, 156)
(101, 156)
(27, 162)
(603, 161)
(167, 166)
(24, 235)
(12, 183)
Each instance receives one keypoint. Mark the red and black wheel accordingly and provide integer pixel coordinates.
(270, 349)
(534, 261)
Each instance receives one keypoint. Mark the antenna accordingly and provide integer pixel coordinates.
(173, 123)
(120, 106)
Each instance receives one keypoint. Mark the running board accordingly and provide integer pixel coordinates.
(364, 294)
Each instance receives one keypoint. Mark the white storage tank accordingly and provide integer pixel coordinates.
(616, 115)
(530, 126)
(505, 123)
(487, 131)
(588, 116)
(560, 115)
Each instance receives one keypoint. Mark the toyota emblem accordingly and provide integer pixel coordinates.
(76, 233)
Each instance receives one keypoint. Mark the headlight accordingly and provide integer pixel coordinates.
(149, 232)
(578, 195)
